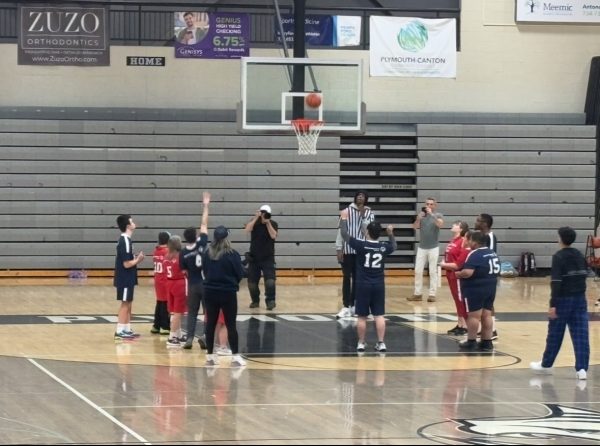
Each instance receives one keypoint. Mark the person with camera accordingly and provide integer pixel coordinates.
(428, 222)
(261, 258)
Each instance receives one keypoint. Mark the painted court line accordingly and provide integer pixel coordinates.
(88, 401)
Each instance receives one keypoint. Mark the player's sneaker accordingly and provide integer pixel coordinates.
(361, 346)
(164, 331)
(581, 374)
(486, 346)
(539, 369)
(254, 305)
(468, 345)
(223, 351)
(123, 335)
(344, 312)
(132, 333)
(202, 342)
(415, 298)
(494, 335)
(155, 330)
(238, 361)
(173, 342)
(380, 347)
(188, 343)
(211, 360)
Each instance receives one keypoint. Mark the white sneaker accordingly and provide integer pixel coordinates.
(344, 312)
(223, 351)
(238, 361)
(360, 347)
(211, 360)
(380, 347)
(537, 367)
(581, 374)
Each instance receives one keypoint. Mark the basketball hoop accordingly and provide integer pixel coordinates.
(307, 131)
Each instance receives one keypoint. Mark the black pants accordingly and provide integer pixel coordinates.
(267, 267)
(161, 316)
(215, 300)
(195, 293)
(349, 281)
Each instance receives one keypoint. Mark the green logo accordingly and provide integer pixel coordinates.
(413, 37)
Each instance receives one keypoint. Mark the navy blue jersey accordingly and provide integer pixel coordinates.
(370, 260)
(190, 259)
(124, 277)
(486, 267)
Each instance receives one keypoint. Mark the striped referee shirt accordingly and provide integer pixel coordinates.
(356, 227)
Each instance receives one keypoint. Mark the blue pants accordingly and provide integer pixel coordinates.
(571, 311)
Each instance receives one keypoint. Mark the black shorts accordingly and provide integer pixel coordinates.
(125, 294)
(370, 299)
(479, 298)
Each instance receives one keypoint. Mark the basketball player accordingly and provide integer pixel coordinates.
(191, 261)
(161, 322)
(484, 223)
(176, 286)
(479, 278)
(370, 278)
(125, 278)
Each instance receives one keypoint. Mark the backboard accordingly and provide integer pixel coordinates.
(269, 101)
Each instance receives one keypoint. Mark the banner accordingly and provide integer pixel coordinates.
(412, 47)
(203, 35)
(561, 11)
(346, 30)
(63, 35)
(318, 29)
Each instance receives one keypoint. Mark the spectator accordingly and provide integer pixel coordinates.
(428, 222)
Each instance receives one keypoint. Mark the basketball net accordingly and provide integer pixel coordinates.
(307, 131)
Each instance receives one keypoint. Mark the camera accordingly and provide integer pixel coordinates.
(266, 215)
(424, 209)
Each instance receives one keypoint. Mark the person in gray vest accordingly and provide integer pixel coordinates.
(428, 222)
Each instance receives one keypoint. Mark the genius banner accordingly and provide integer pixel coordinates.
(203, 35)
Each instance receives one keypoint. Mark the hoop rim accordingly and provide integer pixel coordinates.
(304, 124)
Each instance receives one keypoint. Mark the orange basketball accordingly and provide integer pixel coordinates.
(313, 100)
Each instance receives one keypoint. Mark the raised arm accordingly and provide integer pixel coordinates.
(204, 221)
(344, 225)
(250, 225)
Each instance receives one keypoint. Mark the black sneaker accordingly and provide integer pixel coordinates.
(452, 331)
(155, 330)
(254, 304)
(494, 335)
(468, 345)
(486, 346)
(188, 343)
(270, 305)
(461, 331)
(202, 342)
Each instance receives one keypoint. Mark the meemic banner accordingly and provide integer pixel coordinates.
(412, 47)
(560, 11)
(63, 35)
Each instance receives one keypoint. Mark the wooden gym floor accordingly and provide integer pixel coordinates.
(65, 380)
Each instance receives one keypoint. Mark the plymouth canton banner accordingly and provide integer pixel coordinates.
(412, 47)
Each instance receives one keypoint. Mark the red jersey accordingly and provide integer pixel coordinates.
(172, 268)
(453, 250)
(160, 278)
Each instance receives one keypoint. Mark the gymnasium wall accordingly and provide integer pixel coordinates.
(501, 68)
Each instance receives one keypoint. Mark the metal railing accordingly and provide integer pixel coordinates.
(151, 24)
